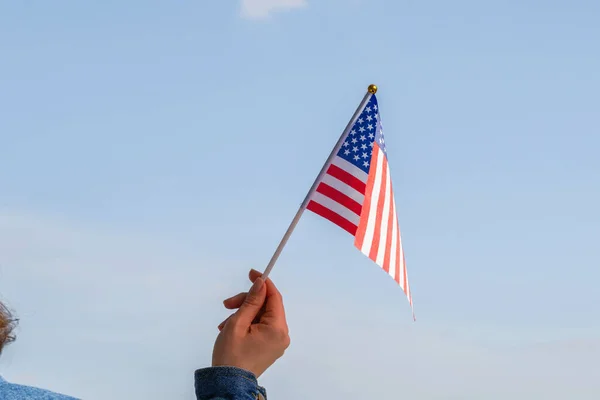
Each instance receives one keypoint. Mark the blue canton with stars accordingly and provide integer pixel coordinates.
(358, 146)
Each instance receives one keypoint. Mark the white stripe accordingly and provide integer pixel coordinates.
(402, 269)
(342, 187)
(335, 207)
(350, 168)
(393, 259)
(372, 216)
(384, 219)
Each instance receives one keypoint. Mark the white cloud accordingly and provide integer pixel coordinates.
(259, 9)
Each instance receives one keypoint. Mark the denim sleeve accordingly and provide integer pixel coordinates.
(227, 383)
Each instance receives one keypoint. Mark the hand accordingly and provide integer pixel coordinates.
(256, 335)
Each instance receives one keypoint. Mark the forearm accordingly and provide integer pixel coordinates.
(227, 383)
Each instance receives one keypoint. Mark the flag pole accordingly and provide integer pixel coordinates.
(370, 92)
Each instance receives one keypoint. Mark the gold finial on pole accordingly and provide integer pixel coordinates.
(372, 89)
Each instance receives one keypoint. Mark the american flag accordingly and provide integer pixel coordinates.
(356, 194)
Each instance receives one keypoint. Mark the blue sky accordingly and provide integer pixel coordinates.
(152, 152)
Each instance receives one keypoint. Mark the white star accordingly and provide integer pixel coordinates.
(381, 140)
(353, 132)
(364, 146)
(355, 149)
(366, 164)
(361, 129)
(368, 109)
(370, 127)
(371, 144)
(369, 118)
(377, 116)
(363, 137)
(360, 120)
(356, 158)
(375, 107)
(346, 152)
(354, 140)
(346, 144)
(365, 155)
(371, 136)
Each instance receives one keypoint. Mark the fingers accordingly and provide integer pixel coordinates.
(235, 301)
(271, 288)
(252, 304)
(274, 310)
(255, 274)
(222, 324)
(271, 311)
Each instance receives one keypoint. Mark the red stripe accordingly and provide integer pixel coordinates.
(388, 238)
(364, 218)
(380, 202)
(339, 197)
(347, 178)
(332, 216)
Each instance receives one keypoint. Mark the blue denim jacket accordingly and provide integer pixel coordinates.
(10, 391)
(215, 383)
(227, 383)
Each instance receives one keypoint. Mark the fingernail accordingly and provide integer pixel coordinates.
(257, 285)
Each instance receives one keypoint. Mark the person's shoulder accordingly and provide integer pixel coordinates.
(11, 391)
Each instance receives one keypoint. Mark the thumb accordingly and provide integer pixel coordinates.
(253, 303)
